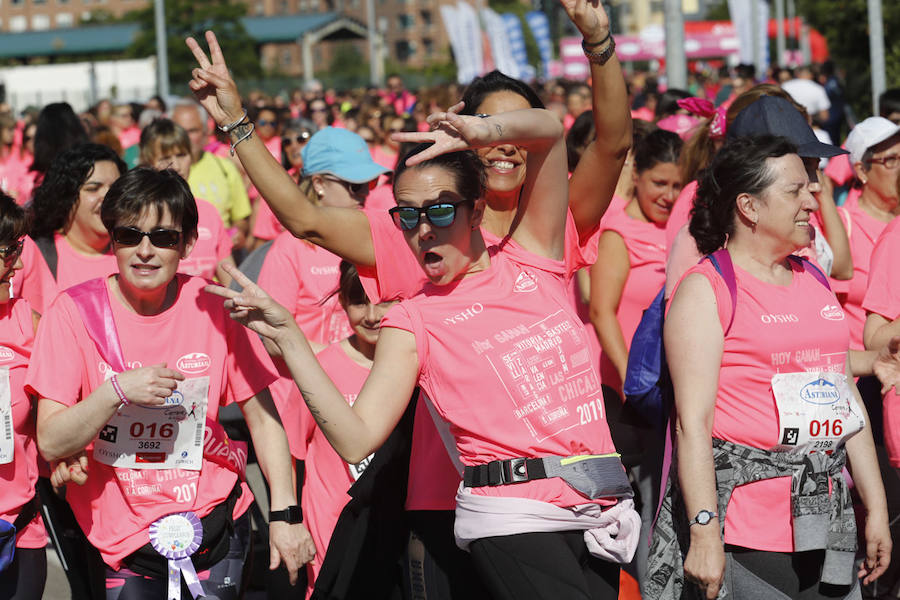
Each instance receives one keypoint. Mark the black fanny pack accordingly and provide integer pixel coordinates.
(218, 526)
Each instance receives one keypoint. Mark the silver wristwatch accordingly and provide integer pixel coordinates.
(703, 517)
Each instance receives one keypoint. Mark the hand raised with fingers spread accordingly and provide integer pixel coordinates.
(589, 17)
(212, 84)
(254, 308)
(450, 132)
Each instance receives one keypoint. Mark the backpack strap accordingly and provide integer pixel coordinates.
(47, 246)
(812, 269)
(721, 260)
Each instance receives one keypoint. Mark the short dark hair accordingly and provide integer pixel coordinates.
(495, 81)
(738, 168)
(57, 195)
(658, 146)
(889, 102)
(465, 166)
(13, 220)
(165, 136)
(139, 189)
(667, 105)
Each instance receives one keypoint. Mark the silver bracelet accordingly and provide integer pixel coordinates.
(242, 138)
(227, 128)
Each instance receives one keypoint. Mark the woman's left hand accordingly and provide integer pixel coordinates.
(291, 544)
(589, 17)
(887, 365)
(254, 308)
(878, 548)
(450, 132)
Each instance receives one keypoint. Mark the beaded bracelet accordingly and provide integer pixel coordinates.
(119, 391)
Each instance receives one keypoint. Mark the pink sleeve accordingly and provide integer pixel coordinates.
(250, 369)
(683, 254)
(578, 254)
(34, 282)
(266, 226)
(280, 273)
(681, 212)
(402, 316)
(723, 296)
(397, 273)
(22, 317)
(839, 169)
(60, 350)
(223, 243)
(883, 291)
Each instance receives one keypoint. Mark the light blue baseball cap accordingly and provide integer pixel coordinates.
(341, 153)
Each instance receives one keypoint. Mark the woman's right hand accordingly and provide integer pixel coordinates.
(149, 386)
(704, 564)
(212, 84)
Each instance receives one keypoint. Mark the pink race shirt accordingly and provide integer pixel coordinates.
(17, 478)
(681, 212)
(883, 298)
(328, 477)
(776, 329)
(506, 365)
(195, 336)
(646, 245)
(863, 231)
(213, 243)
(35, 283)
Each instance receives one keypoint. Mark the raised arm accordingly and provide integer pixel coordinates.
(342, 231)
(593, 183)
(541, 218)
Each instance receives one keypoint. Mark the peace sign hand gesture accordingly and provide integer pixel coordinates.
(450, 132)
(212, 84)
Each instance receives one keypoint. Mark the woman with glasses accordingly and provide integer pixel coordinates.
(267, 128)
(148, 360)
(319, 113)
(68, 243)
(502, 358)
(23, 578)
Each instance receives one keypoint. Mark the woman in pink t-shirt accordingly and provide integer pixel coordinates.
(67, 228)
(24, 578)
(503, 361)
(148, 359)
(347, 364)
(631, 260)
(763, 397)
(165, 145)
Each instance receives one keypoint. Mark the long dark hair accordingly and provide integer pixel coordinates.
(495, 81)
(58, 129)
(57, 195)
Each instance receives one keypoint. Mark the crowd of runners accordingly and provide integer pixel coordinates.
(426, 317)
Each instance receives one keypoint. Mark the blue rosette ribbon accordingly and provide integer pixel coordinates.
(177, 537)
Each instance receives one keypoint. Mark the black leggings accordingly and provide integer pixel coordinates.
(544, 566)
(24, 578)
(224, 580)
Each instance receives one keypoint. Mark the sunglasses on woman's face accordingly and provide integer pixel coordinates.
(132, 236)
(355, 189)
(301, 138)
(10, 254)
(441, 214)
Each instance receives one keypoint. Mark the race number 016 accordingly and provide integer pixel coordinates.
(138, 429)
(826, 428)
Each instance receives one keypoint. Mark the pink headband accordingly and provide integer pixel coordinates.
(704, 108)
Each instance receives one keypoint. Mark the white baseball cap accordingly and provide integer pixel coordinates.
(868, 133)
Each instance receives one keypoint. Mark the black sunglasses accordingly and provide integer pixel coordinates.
(10, 254)
(440, 215)
(265, 122)
(301, 138)
(355, 189)
(132, 236)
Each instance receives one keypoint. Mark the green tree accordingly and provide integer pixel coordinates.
(192, 18)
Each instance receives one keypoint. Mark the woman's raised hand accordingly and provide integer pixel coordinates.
(449, 132)
(589, 17)
(254, 308)
(212, 84)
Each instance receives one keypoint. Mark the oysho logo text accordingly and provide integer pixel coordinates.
(779, 318)
(334, 270)
(465, 315)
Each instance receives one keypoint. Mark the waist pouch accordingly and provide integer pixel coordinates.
(594, 476)
(9, 532)
(218, 527)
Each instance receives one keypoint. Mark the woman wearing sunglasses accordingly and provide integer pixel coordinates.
(493, 330)
(68, 243)
(131, 369)
(23, 578)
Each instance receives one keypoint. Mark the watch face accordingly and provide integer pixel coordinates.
(704, 517)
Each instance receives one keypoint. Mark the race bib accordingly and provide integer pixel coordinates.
(164, 437)
(357, 470)
(816, 411)
(7, 433)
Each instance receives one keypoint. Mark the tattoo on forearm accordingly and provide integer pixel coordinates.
(244, 129)
(316, 413)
